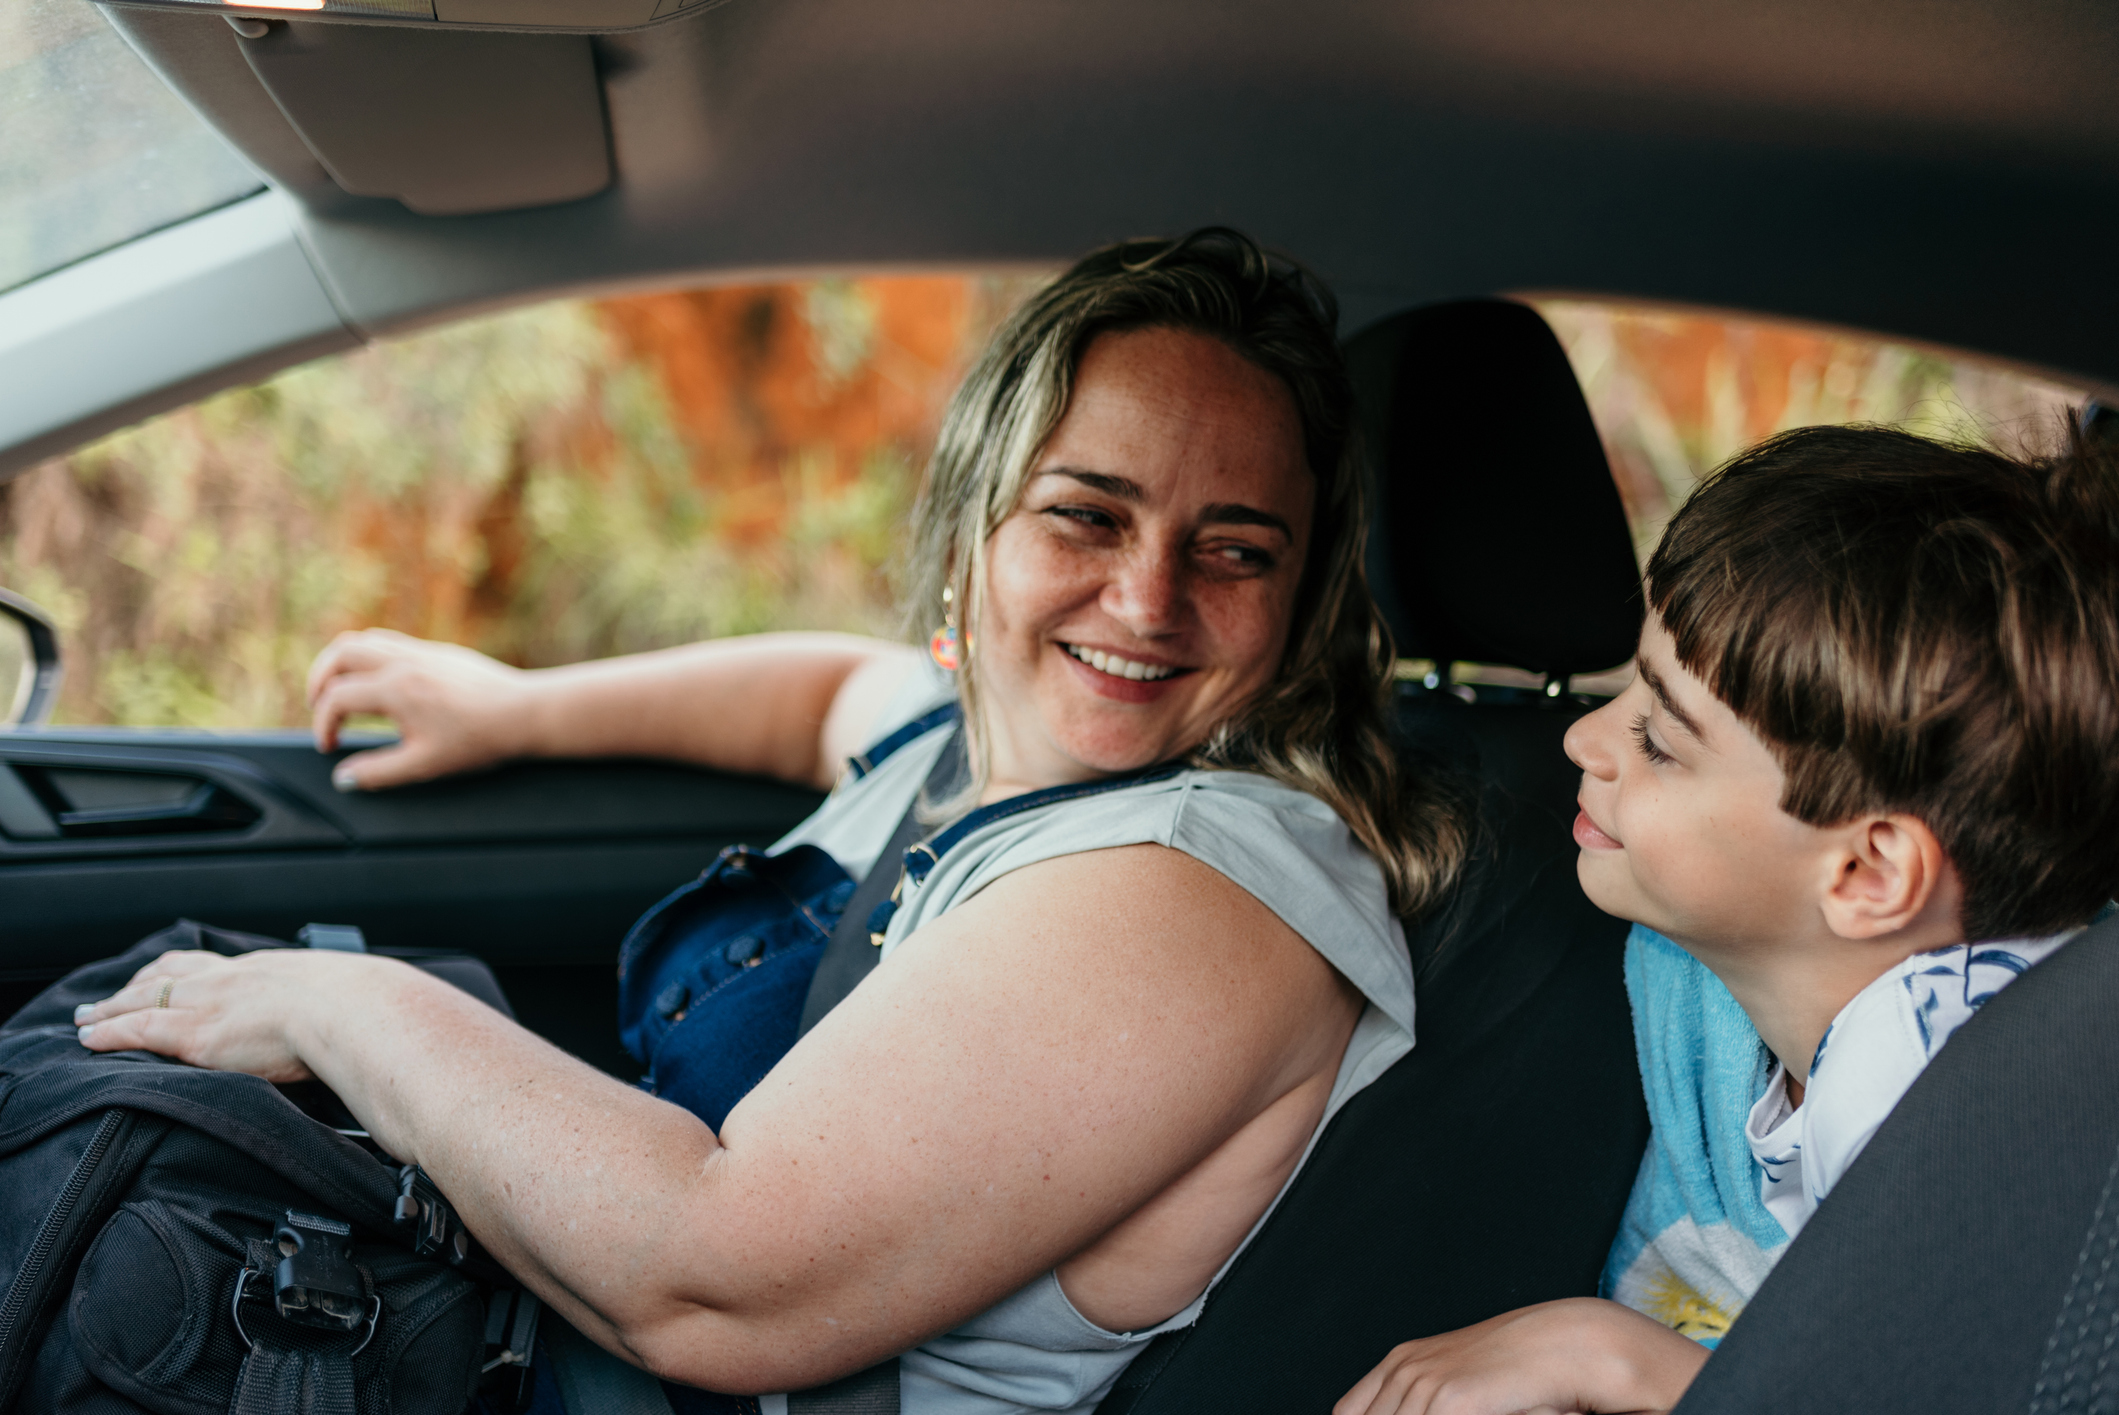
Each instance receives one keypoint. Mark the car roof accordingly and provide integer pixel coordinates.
(1944, 173)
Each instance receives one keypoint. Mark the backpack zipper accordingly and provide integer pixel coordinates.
(29, 1277)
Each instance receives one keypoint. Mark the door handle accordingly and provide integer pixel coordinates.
(46, 801)
(190, 808)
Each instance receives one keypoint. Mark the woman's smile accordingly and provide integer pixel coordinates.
(1115, 665)
(1122, 679)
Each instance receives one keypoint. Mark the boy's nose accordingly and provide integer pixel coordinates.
(1587, 742)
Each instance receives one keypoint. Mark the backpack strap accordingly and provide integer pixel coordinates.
(850, 956)
(276, 1381)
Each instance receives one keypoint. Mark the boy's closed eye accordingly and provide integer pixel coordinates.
(1645, 742)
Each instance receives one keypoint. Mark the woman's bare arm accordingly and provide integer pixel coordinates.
(1024, 1073)
(786, 705)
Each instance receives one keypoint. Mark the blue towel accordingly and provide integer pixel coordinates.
(1696, 1240)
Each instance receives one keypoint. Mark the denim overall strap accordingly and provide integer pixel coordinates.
(862, 763)
(848, 957)
(921, 858)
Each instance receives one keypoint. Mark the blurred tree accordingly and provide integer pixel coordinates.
(1677, 393)
(567, 481)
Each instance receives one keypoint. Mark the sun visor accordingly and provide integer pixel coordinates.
(448, 122)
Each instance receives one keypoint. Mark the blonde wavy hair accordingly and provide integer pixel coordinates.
(1321, 725)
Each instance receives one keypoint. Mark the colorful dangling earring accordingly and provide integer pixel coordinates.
(943, 646)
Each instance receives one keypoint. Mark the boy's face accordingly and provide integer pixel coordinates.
(1681, 827)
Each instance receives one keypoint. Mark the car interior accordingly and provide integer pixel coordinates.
(1947, 175)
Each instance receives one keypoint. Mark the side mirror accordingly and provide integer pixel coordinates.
(29, 663)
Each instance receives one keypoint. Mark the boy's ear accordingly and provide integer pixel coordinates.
(1890, 874)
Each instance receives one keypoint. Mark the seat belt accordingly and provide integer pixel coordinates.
(594, 1382)
(850, 955)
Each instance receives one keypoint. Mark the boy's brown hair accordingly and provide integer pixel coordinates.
(1920, 627)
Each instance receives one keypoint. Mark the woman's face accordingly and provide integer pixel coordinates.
(1140, 592)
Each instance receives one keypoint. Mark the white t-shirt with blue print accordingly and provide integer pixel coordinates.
(1733, 1171)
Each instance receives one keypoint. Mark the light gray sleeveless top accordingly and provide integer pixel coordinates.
(1033, 1351)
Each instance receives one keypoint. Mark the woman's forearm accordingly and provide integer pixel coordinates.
(758, 704)
(555, 1166)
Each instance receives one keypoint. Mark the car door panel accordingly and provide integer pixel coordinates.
(538, 868)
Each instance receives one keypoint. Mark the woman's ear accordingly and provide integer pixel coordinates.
(1891, 875)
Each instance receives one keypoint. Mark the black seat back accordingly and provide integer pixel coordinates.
(1500, 537)
(1488, 1168)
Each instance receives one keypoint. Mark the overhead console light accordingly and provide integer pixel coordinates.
(569, 16)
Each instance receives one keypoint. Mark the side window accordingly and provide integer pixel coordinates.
(571, 480)
(1676, 393)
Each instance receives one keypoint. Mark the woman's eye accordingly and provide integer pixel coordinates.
(1243, 554)
(1656, 755)
(1085, 516)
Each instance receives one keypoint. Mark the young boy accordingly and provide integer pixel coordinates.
(1867, 775)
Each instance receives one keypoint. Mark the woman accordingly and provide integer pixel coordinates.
(1106, 1027)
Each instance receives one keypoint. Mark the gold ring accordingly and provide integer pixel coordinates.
(162, 997)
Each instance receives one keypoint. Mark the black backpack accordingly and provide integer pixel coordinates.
(192, 1242)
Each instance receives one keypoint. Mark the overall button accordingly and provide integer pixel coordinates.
(745, 950)
(669, 1003)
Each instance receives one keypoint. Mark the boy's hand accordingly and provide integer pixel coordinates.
(1577, 1355)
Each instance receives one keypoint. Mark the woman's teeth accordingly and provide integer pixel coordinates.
(1118, 667)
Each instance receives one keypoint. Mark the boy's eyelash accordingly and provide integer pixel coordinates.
(1646, 743)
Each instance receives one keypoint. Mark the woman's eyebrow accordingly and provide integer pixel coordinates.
(1221, 513)
(1124, 488)
(1231, 513)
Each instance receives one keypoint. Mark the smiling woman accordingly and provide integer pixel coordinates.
(998, 1165)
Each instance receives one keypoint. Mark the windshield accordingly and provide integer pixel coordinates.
(94, 150)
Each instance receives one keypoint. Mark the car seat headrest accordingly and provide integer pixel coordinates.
(1498, 534)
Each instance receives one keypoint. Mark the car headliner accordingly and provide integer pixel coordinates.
(1942, 171)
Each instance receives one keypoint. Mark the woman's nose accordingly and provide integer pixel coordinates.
(1147, 593)
(1589, 741)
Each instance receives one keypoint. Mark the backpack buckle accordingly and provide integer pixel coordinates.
(315, 1282)
(435, 1229)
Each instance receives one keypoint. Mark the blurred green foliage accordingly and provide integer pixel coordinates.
(517, 482)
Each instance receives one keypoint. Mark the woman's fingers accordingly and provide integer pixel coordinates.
(224, 1013)
(455, 708)
(355, 651)
(345, 694)
(144, 990)
(380, 768)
